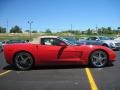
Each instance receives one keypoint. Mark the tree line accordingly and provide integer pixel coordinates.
(100, 31)
(15, 29)
(103, 30)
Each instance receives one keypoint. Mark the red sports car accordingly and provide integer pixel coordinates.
(53, 49)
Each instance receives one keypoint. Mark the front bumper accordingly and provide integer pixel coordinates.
(115, 48)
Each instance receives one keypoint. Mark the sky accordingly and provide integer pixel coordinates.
(58, 15)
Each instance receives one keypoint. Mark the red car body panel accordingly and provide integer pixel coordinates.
(47, 53)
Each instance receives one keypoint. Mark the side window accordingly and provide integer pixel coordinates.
(50, 41)
(56, 42)
(92, 38)
(88, 39)
(44, 41)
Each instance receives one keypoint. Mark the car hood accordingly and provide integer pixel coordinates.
(111, 41)
(117, 39)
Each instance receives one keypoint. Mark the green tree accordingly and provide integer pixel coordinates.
(2, 30)
(104, 30)
(109, 30)
(118, 28)
(75, 32)
(99, 31)
(34, 31)
(48, 31)
(89, 31)
(16, 29)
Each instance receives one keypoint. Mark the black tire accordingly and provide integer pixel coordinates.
(1, 49)
(98, 59)
(105, 45)
(23, 61)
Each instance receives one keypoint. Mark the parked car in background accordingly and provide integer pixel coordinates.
(118, 38)
(14, 41)
(71, 40)
(1, 47)
(53, 49)
(88, 42)
(105, 41)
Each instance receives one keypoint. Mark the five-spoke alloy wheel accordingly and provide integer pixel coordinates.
(23, 61)
(98, 58)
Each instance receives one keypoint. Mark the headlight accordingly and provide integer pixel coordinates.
(111, 44)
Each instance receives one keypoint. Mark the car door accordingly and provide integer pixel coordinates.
(55, 50)
(70, 54)
(48, 50)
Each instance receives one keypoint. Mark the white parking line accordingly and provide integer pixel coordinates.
(1, 74)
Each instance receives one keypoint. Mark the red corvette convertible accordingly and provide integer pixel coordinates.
(53, 49)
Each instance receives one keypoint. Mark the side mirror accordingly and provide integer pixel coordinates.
(27, 41)
(97, 40)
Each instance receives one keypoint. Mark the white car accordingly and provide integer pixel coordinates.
(118, 38)
(105, 41)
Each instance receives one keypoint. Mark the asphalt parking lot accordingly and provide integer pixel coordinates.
(65, 77)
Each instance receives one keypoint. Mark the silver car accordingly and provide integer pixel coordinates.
(105, 41)
(118, 38)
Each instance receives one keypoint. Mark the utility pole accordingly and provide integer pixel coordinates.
(71, 26)
(7, 26)
(97, 29)
(30, 23)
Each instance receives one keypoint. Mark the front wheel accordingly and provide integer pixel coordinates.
(23, 61)
(98, 59)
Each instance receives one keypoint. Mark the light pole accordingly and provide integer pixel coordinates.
(7, 26)
(97, 29)
(71, 26)
(30, 22)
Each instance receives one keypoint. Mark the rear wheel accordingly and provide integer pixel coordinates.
(23, 61)
(98, 58)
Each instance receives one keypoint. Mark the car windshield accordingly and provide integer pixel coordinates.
(0, 43)
(71, 40)
(68, 42)
(105, 38)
